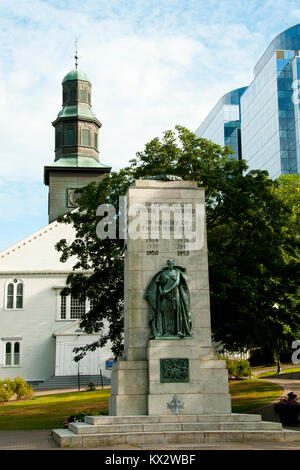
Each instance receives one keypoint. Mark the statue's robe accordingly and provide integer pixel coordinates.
(157, 317)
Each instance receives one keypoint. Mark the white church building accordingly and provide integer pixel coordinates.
(39, 328)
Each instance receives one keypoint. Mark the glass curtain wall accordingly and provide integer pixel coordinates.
(222, 125)
(259, 121)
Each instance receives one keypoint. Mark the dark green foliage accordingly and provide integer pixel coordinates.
(252, 242)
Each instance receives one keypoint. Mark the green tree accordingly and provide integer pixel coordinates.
(287, 189)
(252, 254)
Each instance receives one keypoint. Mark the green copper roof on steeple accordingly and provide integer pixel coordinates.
(77, 110)
(76, 75)
(78, 161)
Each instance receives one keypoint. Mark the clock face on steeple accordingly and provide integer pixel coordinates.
(76, 162)
(73, 195)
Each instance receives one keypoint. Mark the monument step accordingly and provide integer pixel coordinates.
(67, 439)
(144, 419)
(85, 428)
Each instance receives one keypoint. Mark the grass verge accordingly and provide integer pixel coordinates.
(274, 372)
(49, 411)
(247, 395)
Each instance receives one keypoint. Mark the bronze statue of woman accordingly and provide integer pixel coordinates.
(169, 299)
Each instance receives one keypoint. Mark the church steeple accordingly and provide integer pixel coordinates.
(76, 161)
(76, 126)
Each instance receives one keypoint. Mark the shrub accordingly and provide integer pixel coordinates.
(243, 368)
(79, 417)
(6, 389)
(287, 402)
(91, 387)
(237, 368)
(21, 388)
(231, 367)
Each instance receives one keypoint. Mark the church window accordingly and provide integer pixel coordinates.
(19, 296)
(95, 140)
(58, 138)
(85, 137)
(78, 242)
(70, 308)
(83, 96)
(10, 296)
(89, 98)
(63, 305)
(14, 294)
(73, 93)
(8, 354)
(12, 352)
(73, 195)
(69, 136)
(77, 308)
(17, 353)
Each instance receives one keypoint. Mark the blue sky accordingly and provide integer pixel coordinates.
(153, 64)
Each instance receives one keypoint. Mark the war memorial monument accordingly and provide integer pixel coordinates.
(168, 387)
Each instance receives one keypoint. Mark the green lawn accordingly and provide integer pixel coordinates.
(274, 372)
(50, 411)
(247, 395)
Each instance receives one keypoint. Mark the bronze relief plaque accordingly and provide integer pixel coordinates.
(174, 370)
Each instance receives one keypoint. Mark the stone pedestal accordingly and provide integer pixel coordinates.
(152, 372)
(203, 390)
(137, 387)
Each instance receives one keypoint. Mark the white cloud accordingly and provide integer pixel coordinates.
(152, 65)
(145, 79)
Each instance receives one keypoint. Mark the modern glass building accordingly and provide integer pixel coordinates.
(269, 111)
(223, 124)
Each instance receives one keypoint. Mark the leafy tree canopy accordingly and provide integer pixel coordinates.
(252, 230)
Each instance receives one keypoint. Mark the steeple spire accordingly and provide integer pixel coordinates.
(76, 55)
(76, 144)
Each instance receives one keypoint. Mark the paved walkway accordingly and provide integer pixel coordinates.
(290, 383)
(42, 440)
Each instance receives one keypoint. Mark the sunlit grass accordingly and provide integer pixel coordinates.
(248, 395)
(274, 372)
(50, 411)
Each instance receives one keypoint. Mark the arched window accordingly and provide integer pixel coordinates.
(14, 294)
(16, 353)
(12, 348)
(8, 354)
(19, 296)
(10, 296)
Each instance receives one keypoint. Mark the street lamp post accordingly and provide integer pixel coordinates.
(278, 347)
(278, 357)
(78, 378)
